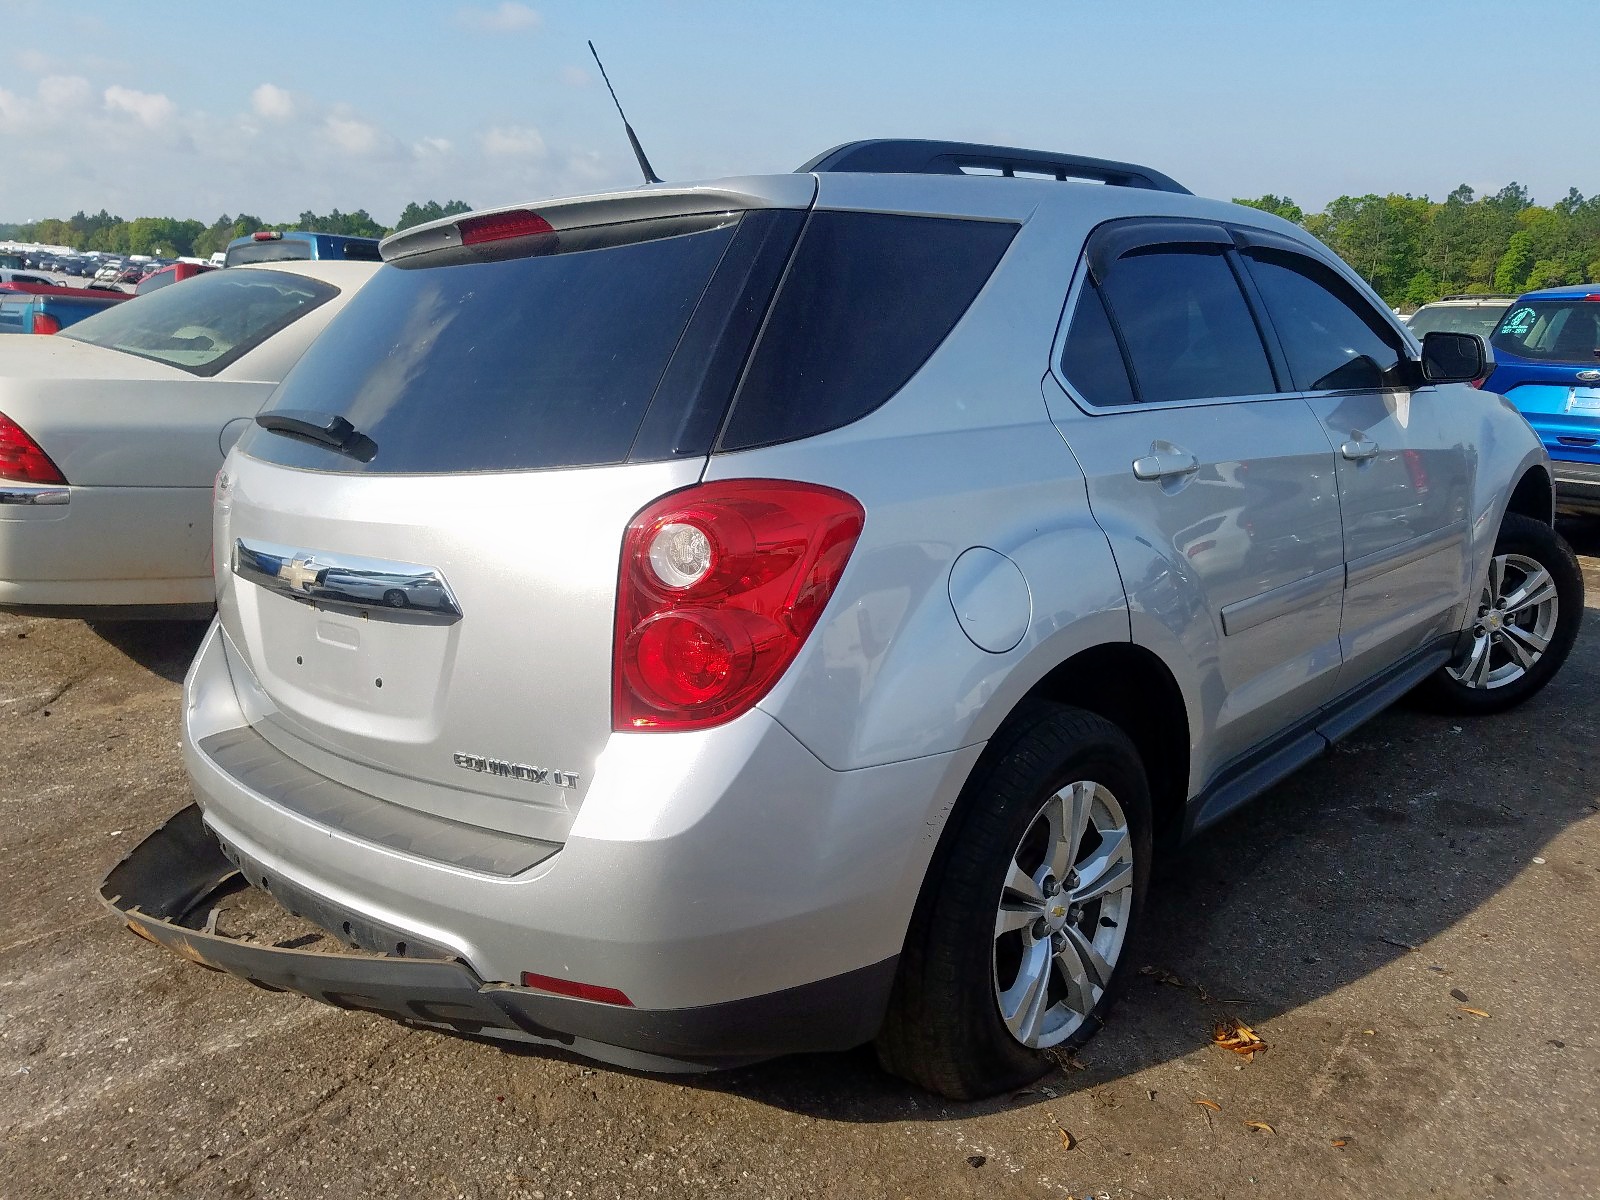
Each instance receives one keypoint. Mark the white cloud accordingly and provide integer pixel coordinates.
(431, 145)
(272, 102)
(351, 134)
(150, 108)
(63, 92)
(513, 141)
(575, 77)
(509, 17)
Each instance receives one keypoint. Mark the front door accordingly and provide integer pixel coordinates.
(1404, 473)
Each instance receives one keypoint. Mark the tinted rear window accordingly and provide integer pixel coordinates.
(867, 298)
(209, 322)
(1480, 319)
(496, 359)
(1563, 331)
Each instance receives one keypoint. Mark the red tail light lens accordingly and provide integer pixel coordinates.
(45, 323)
(580, 991)
(498, 226)
(21, 459)
(267, 235)
(721, 584)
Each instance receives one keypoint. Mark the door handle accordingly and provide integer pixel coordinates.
(1358, 449)
(1171, 463)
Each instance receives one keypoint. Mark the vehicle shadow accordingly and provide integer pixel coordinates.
(1395, 836)
(165, 648)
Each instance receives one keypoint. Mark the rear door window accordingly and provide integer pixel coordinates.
(1557, 331)
(1186, 325)
(1332, 337)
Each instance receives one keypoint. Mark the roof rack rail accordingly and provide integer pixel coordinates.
(921, 157)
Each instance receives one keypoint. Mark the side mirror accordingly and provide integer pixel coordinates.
(1452, 357)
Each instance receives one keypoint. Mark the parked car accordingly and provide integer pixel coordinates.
(112, 432)
(1547, 363)
(1460, 314)
(47, 308)
(819, 649)
(173, 273)
(8, 276)
(272, 245)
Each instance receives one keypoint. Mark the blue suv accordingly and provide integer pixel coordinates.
(1547, 363)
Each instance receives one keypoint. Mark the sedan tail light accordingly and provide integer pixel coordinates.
(22, 460)
(45, 323)
(720, 586)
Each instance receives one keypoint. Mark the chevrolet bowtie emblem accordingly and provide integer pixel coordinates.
(299, 573)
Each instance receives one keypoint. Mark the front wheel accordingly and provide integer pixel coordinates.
(1018, 942)
(1527, 618)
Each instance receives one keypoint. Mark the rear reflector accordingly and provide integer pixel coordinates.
(45, 323)
(21, 459)
(579, 991)
(496, 227)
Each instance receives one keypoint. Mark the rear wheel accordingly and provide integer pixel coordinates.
(1017, 944)
(1527, 618)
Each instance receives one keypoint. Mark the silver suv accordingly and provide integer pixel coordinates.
(699, 623)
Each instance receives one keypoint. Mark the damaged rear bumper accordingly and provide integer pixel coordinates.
(163, 892)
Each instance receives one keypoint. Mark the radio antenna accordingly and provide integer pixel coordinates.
(638, 151)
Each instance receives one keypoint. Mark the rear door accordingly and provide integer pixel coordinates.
(1405, 470)
(428, 614)
(1213, 481)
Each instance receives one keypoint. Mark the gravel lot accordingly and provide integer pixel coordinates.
(1355, 917)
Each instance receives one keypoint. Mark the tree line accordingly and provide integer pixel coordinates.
(168, 236)
(1410, 248)
(1413, 250)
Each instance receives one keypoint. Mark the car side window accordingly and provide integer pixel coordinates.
(1331, 335)
(1091, 359)
(1186, 325)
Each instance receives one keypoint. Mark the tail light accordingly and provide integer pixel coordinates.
(720, 586)
(1478, 383)
(45, 323)
(495, 227)
(21, 459)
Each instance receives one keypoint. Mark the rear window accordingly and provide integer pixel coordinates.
(1562, 331)
(1480, 319)
(270, 250)
(489, 362)
(209, 322)
(624, 342)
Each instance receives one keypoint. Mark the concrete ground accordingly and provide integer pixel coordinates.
(1409, 923)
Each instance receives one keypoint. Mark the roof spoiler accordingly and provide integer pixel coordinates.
(922, 157)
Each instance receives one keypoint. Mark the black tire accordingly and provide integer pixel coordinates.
(395, 598)
(944, 1030)
(1535, 540)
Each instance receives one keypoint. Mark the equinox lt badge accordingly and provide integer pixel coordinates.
(515, 770)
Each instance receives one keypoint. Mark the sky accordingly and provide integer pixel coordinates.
(161, 108)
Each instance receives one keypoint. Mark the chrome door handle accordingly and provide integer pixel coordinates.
(1170, 464)
(1358, 449)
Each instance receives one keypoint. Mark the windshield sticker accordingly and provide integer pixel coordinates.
(1518, 322)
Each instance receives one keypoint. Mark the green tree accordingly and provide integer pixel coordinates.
(1278, 206)
(431, 210)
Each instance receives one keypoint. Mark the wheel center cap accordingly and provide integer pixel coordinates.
(1055, 913)
(1493, 620)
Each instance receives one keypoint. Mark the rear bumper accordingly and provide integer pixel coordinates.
(113, 552)
(725, 874)
(1577, 486)
(163, 890)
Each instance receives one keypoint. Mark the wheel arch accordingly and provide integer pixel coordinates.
(1534, 495)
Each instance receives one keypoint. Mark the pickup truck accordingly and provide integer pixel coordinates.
(41, 308)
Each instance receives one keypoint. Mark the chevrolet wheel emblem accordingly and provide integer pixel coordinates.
(299, 573)
(1058, 911)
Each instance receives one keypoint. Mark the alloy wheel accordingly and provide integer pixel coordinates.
(1063, 914)
(1516, 619)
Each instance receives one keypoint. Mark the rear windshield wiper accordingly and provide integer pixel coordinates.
(320, 429)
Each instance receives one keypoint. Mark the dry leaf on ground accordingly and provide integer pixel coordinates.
(1477, 1012)
(1211, 1104)
(1067, 1140)
(1261, 1125)
(1238, 1037)
(1341, 1142)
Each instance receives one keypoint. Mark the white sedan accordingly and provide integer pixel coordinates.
(112, 431)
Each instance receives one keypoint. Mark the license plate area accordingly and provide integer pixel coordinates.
(1586, 400)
